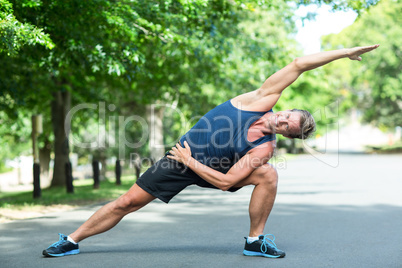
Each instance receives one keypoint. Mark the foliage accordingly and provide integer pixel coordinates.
(108, 59)
(15, 34)
(356, 5)
(373, 85)
(15, 140)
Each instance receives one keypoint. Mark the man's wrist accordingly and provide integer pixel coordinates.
(190, 162)
(347, 52)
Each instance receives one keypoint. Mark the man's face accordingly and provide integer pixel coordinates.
(285, 122)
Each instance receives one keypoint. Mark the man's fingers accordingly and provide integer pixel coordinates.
(357, 51)
(369, 48)
(186, 145)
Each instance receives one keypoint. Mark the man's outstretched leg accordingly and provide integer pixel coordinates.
(104, 219)
(265, 179)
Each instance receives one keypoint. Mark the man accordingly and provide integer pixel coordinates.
(227, 149)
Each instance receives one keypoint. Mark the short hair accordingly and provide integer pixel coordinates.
(307, 125)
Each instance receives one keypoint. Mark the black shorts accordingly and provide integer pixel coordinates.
(167, 177)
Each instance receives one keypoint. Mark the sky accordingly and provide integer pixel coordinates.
(326, 22)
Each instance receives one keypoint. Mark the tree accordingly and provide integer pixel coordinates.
(89, 58)
(374, 85)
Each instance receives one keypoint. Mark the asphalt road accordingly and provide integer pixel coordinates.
(346, 212)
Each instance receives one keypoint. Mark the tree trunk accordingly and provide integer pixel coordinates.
(155, 121)
(60, 107)
(44, 160)
(102, 160)
(95, 170)
(118, 172)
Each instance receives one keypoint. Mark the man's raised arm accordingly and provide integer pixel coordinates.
(280, 80)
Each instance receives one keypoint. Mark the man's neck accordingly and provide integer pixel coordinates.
(259, 128)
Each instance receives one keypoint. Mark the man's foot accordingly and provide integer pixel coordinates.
(264, 247)
(62, 247)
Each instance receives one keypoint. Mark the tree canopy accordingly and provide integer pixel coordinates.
(15, 34)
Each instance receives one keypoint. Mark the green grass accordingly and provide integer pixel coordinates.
(4, 169)
(84, 194)
(395, 148)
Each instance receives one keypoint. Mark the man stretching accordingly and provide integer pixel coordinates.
(227, 149)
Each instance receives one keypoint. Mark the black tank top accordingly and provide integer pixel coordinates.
(220, 136)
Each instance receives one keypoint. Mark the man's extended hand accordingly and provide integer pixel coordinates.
(354, 53)
(180, 154)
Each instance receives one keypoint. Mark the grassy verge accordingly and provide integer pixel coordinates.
(21, 205)
(4, 169)
(387, 149)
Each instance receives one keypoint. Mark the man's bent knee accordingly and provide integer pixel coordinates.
(266, 174)
(124, 203)
(133, 200)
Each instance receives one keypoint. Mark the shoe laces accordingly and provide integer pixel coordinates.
(62, 239)
(267, 242)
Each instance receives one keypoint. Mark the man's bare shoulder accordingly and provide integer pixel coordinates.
(253, 101)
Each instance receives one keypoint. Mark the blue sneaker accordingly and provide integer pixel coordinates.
(263, 247)
(62, 247)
